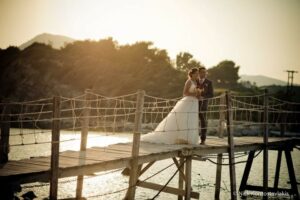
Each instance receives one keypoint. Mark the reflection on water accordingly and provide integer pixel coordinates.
(203, 173)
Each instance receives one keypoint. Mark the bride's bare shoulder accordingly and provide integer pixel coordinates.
(188, 81)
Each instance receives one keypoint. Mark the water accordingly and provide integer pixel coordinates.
(203, 173)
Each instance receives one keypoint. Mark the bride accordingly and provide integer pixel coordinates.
(181, 124)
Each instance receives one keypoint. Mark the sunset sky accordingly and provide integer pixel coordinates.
(261, 36)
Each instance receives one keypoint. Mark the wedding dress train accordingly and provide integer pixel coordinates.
(180, 126)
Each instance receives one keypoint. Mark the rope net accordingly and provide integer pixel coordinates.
(32, 120)
(248, 115)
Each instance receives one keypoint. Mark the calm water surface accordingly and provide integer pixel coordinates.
(203, 173)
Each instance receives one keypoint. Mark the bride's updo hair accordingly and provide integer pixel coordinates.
(192, 71)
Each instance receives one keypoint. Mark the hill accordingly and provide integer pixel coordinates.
(56, 41)
(260, 80)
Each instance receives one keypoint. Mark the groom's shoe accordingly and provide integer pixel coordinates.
(202, 142)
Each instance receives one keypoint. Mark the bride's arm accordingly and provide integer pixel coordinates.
(187, 86)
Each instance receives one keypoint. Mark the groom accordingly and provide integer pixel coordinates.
(206, 87)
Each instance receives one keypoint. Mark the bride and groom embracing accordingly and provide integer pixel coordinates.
(181, 125)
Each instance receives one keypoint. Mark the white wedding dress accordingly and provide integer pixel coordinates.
(180, 126)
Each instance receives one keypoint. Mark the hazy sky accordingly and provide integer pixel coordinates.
(261, 36)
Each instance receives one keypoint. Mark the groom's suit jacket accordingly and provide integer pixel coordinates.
(208, 91)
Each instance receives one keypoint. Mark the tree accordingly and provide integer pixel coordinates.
(185, 62)
(225, 74)
(111, 69)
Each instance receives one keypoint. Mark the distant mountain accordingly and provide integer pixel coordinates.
(56, 41)
(262, 80)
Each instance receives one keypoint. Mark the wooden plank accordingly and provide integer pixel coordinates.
(31, 163)
(65, 162)
(165, 146)
(41, 162)
(145, 147)
(108, 155)
(117, 149)
(92, 168)
(167, 189)
(67, 172)
(111, 151)
(157, 149)
(92, 154)
(42, 159)
(19, 168)
(93, 159)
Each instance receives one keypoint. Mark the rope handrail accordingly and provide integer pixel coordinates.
(115, 97)
(247, 96)
(115, 114)
(287, 102)
(244, 103)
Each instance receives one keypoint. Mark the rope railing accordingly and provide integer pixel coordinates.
(283, 101)
(116, 114)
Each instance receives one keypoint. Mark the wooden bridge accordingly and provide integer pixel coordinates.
(139, 156)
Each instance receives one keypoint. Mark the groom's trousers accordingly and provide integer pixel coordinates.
(202, 119)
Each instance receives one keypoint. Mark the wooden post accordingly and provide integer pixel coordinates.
(83, 141)
(4, 134)
(180, 179)
(246, 174)
(218, 176)
(230, 149)
(188, 174)
(265, 152)
(55, 148)
(290, 166)
(136, 145)
(277, 171)
(222, 121)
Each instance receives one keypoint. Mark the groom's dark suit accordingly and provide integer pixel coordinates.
(207, 88)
